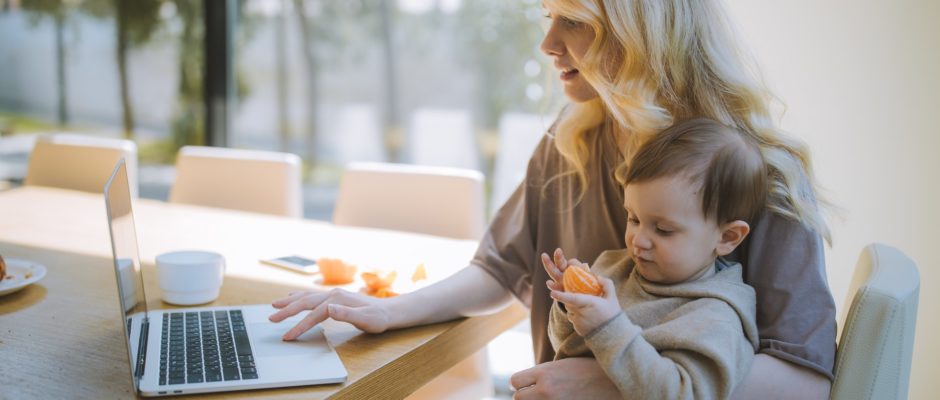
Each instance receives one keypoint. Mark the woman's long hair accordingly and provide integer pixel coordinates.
(678, 59)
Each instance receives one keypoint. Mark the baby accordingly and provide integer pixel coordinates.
(674, 319)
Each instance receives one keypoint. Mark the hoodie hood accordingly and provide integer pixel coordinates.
(726, 285)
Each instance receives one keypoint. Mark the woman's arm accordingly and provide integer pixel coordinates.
(469, 292)
(568, 378)
(499, 263)
(773, 378)
(770, 378)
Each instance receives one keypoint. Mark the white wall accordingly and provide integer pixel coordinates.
(861, 81)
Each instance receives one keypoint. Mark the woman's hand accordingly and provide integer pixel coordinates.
(585, 311)
(366, 313)
(569, 378)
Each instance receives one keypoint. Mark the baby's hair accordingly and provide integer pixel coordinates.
(725, 165)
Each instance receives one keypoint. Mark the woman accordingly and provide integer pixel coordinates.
(631, 68)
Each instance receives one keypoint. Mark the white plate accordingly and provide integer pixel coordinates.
(20, 274)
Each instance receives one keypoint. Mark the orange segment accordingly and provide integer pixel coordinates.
(383, 293)
(336, 271)
(420, 274)
(375, 282)
(379, 286)
(578, 279)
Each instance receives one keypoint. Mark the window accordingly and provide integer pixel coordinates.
(441, 82)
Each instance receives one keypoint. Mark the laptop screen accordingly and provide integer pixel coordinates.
(117, 200)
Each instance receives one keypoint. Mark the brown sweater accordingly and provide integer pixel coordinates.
(692, 340)
(782, 259)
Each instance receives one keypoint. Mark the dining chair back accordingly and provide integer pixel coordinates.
(873, 360)
(438, 201)
(248, 180)
(79, 162)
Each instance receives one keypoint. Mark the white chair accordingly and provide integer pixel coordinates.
(873, 360)
(433, 200)
(79, 162)
(248, 180)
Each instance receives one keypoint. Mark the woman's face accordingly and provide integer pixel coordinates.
(566, 42)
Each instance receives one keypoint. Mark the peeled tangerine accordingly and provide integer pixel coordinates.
(578, 279)
(378, 286)
(336, 271)
(382, 293)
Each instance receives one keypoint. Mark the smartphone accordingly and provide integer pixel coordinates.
(294, 263)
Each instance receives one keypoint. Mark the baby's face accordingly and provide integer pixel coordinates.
(667, 234)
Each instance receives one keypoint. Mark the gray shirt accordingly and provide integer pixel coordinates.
(689, 340)
(782, 258)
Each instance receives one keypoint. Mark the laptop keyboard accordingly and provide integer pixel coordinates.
(207, 346)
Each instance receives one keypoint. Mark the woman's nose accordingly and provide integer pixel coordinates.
(551, 45)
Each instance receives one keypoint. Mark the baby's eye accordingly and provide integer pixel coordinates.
(632, 221)
(664, 232)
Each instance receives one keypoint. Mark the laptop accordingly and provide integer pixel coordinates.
(208, 349)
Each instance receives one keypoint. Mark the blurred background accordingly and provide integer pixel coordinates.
(462, 83)
(414, 81)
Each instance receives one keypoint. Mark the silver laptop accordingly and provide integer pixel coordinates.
(208, 349)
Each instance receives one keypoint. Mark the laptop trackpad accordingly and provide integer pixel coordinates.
(266, 337)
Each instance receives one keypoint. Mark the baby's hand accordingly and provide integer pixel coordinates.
(587, 312)
(555, 266)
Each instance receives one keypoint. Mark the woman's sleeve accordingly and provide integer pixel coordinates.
(507, 250)
(796, 315)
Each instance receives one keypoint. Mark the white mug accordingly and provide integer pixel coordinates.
(190, 277)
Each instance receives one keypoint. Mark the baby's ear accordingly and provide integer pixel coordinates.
(732, 234)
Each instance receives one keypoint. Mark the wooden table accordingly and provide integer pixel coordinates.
(61, 338)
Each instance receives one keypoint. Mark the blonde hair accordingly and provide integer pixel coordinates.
(678, 59)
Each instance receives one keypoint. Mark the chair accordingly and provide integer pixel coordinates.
(79, 162)
(433, 200)
(248, 180)
(873, 360)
